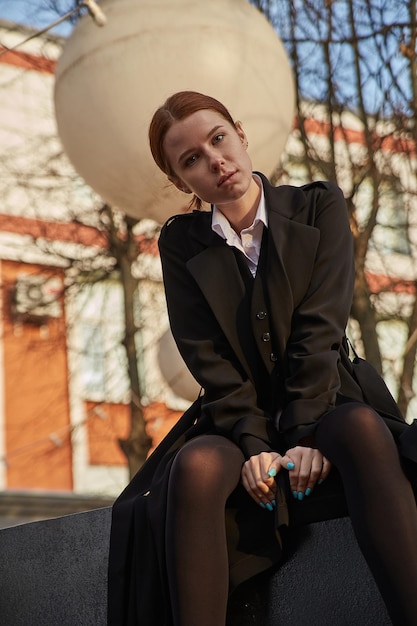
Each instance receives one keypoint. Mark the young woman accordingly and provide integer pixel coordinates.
(287, 429)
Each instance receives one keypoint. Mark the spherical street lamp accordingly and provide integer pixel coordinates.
(110, 80)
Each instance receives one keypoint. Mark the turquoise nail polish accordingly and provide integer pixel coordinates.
(320, 481)
(272, 472)
(274, 503)
(290, 465)
(300, 495)
(294, 493)
(261, 504)
(308, 491)
(269, 507)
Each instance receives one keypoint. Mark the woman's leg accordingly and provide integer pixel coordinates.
(203, 475)
(380, 500)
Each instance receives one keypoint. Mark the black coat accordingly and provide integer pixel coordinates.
(270, 354)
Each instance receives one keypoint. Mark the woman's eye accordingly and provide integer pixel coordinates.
(190, 160)
(218, 137)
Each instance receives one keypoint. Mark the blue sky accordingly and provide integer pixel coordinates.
(32, 13)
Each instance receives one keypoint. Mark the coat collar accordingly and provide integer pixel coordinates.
(286, 201)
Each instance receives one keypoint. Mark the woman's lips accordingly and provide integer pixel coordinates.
(226, 177)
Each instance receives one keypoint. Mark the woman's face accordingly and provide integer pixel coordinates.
(208, 157)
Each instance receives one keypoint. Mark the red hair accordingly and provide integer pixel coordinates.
(178, 107)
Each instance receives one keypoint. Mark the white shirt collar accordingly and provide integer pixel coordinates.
(221, 225)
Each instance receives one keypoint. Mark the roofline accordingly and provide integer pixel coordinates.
(68, 232)
(27, 61)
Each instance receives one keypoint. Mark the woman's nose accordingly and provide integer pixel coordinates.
(216, 161)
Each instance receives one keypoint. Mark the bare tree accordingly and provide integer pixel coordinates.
(354, 63)
(123, 246)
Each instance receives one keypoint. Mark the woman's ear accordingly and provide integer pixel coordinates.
(241, 133)
(179, 184)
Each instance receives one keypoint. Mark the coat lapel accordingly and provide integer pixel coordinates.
(278, 285)
(292, 248)
(217, 274)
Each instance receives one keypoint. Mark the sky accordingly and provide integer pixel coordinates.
(32, 13)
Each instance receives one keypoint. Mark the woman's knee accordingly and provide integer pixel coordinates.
(354, 425)
(205, 463)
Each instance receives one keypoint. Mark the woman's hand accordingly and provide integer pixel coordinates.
(310, 467)
(258, 477)
(306, 466)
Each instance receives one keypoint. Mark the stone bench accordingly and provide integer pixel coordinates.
(53, 573)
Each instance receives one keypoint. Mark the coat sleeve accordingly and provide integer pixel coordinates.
(319, 321)
(230, 401)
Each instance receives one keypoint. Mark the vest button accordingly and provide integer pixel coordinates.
(261, 315)
(266, 337)
(273, 357)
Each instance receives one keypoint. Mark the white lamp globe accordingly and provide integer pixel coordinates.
(110, 80)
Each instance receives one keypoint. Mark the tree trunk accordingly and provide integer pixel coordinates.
(363, 312)
(137, 444)
(124, 248)
(406, 393)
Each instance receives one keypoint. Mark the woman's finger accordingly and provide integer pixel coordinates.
(315, 472)
(305, 464)
(258, 478)
(327, 466)
(310, 467)
(287, 462)
(253, 477)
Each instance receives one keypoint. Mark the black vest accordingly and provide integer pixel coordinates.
(253, 327)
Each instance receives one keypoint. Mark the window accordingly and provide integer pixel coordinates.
(99, 333)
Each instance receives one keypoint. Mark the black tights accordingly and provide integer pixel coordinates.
(380, 500)
(204, 474)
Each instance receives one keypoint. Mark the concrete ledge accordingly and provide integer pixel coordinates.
(53, 573)
(326, 582)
